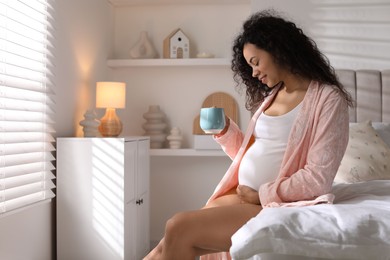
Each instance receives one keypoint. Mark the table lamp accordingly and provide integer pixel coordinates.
(110, 95)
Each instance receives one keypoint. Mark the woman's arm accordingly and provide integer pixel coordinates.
(230, 138)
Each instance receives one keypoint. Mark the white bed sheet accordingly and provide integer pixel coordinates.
(357, 226)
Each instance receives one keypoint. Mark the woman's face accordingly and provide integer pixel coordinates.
(263, 66)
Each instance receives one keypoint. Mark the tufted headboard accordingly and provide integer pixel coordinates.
(371, 91)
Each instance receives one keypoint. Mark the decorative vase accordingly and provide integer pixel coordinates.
(155, 126)
(90, 124)
(143, 49)
(175, 138)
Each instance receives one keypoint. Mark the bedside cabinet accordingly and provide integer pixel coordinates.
(103, 198)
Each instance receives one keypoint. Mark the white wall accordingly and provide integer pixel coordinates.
(179, 91)
(352, 34)
(298, 10)
(28, 234)
(84, 41)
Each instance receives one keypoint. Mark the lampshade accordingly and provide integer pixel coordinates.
(110, 94)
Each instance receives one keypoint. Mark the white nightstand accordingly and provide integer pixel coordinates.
(103, 198)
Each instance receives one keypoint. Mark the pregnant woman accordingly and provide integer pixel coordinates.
(291, 150)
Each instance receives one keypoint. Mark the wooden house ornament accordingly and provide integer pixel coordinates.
(176, 45)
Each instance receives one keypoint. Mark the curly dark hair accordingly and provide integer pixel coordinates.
(289, 47)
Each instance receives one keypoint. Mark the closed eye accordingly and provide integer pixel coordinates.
(253, 61)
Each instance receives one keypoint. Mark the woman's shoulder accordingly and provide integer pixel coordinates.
(326, 90)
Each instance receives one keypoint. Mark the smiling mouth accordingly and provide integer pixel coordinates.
(262, 78)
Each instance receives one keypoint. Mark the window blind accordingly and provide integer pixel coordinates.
(26, 103)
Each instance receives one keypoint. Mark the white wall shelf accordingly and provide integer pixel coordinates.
(186, 152)
(124, 63)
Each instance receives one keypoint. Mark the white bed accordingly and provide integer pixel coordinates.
(357, 225)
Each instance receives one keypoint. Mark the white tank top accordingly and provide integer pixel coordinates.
(261, 163)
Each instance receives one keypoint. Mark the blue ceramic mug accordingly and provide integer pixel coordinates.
(212, 120)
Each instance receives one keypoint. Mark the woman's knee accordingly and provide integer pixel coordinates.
(177, 225)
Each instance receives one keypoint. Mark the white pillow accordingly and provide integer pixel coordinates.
(383, 130)
(367, 156)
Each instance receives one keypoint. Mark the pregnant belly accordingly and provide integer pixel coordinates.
(261, 163)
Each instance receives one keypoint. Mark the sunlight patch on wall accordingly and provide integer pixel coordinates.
(354, 34)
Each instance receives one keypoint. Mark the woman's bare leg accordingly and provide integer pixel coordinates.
(209, 230)
(193, 233)
(229, 198)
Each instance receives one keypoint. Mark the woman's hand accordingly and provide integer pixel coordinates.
(248, 195)
(227, 124)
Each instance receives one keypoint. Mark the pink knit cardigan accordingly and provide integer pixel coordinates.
(316, 145)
